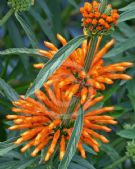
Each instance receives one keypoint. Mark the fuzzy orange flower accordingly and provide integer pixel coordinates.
(41, 122)
(96, 21)
(71, 76)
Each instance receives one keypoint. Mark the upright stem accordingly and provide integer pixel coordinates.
(87, 63)
(90, 54)
(74, 102)
(103, 5)
(117, 163)
(6, 17)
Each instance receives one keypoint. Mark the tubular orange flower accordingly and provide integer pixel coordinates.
(71, 76)
(96, 22)
(41, 120)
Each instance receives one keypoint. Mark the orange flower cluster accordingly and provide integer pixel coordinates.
(71, 76)
(41, 120)
(95, 21)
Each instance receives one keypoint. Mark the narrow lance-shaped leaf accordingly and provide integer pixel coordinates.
(28, 30)
(128, 7)
(7, 146)
(18, 51)
(45, 8)
(26, 164)
(127, 15)
(54, 64)
(44, 25)
(129, 133)
(73, 3)
(82, 162)
(16, 39)
(131, 95)
(126, 45)
(8, 90)
(126, 29)
(71, 147)
(110, 151)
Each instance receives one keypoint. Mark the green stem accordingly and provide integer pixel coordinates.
(73, 103)
(6, 17)
(87, 65)
(90, 54)
(117, 163)
(103, 5)
(88, 61)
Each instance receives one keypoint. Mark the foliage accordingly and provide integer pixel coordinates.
(29, 29)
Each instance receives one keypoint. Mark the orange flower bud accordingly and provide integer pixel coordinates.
(95, 9)
(62, 147)
(95, 4)
(97, 14)
(88, 21)
(104, 16)
(109, 19)
(99, 28)
(94, 22)
(102, 21)
(84, 93)
(91, 15)
(81, 9)
(87, 6)
(81, 149)
(116, 15)
(90, 27)
(106, 25)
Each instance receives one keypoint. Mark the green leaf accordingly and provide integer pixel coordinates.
(17, 40)
(110, 151)
(54, 64)
(25, 164)
(126, 29)
(45, 26)
(127, 44)
(6, 17)
(131, 95)
(18, 164)
(75, 166)
(130, 14)
(8, 91)
(27, 29)
(89, 149)
(19, 51)
(7, 146)
(82, 162)
(45, 8)
(8, 164)
(128, 7)
(129, 134)
(73, 3)
(57, 25)
(107, 94)
(71, 147)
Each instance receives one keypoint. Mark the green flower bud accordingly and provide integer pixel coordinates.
(131, 150)
(20, 5)
(129, 126)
